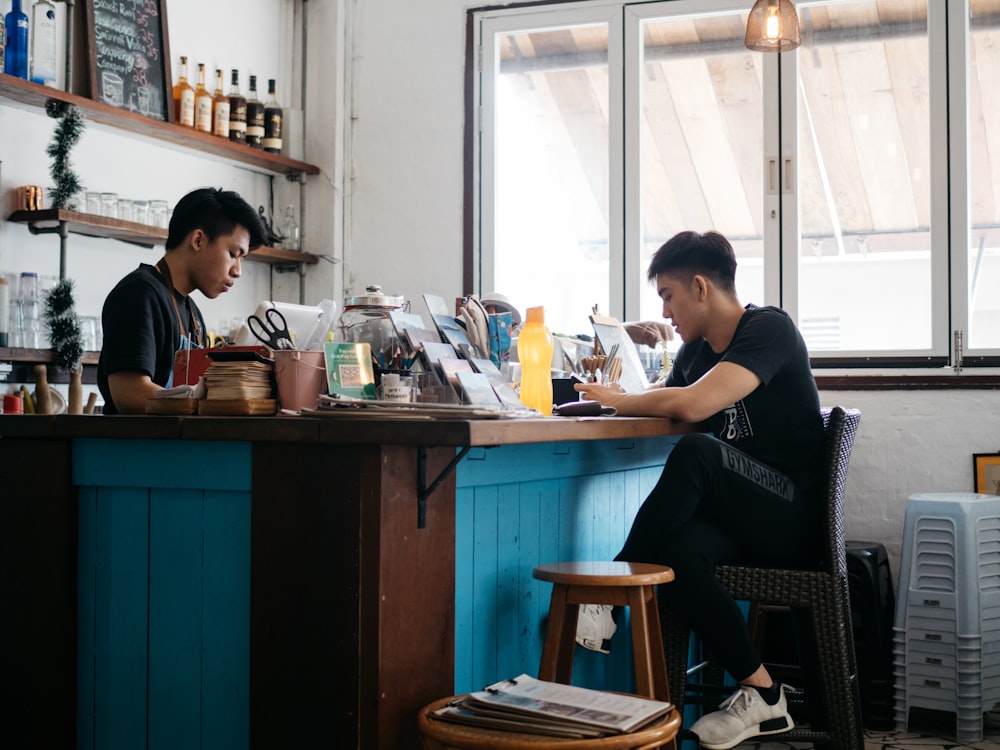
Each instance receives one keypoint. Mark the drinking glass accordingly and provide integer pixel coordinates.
(93, 205)
(140, 211)
(109, 205)
(125, 210)
(158, 213)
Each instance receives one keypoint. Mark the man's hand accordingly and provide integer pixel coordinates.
(649, 332)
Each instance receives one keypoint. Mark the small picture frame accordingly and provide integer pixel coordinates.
(986, 473)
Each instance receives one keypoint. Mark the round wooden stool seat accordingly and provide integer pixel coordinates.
(445, 735)
(622, 584)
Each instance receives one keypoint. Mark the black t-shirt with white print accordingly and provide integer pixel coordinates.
(779, 423)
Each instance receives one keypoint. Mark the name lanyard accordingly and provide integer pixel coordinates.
(164, 270)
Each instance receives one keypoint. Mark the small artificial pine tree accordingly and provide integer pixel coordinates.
(67, 133)
(64, 326)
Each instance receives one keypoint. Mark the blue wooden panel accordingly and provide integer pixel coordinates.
(164, 602)
(191, 464)
(86, 592)
(175, 616)
(225, 685)
(536, 461)
(518, 506)
(121, 622)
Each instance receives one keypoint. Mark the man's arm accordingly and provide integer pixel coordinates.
(130, 389)
(722, 386)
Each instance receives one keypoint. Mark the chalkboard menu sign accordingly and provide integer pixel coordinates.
(129, 57)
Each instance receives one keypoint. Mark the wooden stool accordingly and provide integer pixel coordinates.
(617, 583)
(441, 735)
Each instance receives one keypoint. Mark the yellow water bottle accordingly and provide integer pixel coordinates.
(534, 351)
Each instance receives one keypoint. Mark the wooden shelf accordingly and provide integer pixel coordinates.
(43, 356)
(35, 96)
(48, 221)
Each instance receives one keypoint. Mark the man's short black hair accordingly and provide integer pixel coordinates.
(689, 253)
(216, 212)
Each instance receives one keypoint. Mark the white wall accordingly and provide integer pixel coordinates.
(389, 202)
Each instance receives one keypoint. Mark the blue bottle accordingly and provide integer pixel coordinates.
(16, 51)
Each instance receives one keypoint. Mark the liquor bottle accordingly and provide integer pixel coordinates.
(237, 111)
(220, 108)
(16, 43)
(3, 41)
(202, 103)
(255, 117)
(272, 121)
(43, 43)
(184, 98)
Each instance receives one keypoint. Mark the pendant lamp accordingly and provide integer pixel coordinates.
(773, 26)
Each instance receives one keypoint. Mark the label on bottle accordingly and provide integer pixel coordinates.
(203, 114)
(255, 124)
(272, 130)
(221, 125)
(238, 121)
(187, 108)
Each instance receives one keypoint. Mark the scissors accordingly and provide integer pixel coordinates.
(273, 330)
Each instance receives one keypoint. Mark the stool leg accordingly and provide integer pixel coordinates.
(647, 644)
(560, 638)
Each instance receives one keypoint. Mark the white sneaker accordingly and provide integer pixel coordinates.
(743, 714)
(595, 626)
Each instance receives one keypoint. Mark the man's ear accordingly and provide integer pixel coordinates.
(198, 239)
(699, 285)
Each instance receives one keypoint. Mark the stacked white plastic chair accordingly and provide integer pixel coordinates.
(946, 639)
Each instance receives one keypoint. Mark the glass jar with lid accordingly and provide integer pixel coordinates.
(366, 320)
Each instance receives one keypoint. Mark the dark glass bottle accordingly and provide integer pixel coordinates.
(272, 121)
(255, 117)
(237, 111)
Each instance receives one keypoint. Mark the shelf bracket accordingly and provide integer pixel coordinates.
(62, 229)
(423, 489)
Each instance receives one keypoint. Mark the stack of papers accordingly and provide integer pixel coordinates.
(239, 379)
(524, 704)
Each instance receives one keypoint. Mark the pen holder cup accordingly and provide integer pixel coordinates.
(300, 376)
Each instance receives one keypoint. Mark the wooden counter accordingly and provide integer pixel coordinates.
(150, 611)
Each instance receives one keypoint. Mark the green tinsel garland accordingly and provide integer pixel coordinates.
(64, 326)
(66, 135)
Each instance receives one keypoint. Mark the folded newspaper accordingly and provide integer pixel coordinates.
(525, 704)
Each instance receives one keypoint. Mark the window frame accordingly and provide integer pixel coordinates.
(948, 35)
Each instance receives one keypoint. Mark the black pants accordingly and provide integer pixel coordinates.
(714, 504)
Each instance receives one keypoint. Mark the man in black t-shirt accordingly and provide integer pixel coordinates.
(745, 488)
(149, 314)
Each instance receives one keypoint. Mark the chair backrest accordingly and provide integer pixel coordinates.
(841, 427)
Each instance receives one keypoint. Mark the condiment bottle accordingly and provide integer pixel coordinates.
(534, 352)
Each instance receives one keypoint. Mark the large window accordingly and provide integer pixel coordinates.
(858, 177)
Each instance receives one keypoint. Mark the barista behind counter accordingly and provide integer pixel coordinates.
(149, 314)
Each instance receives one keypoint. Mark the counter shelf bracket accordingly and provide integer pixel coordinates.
(298, 268)
(423, 489)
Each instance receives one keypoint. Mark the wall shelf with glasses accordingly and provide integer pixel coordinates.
(64, 222)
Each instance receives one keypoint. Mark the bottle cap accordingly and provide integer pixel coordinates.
(535, 314)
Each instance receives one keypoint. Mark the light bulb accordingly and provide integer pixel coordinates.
(772, 23)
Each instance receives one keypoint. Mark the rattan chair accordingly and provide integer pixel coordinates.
(820, 605)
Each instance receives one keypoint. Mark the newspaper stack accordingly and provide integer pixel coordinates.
(239, 379)
(524, 704)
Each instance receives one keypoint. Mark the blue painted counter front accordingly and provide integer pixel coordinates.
(164, 647)
(163, 635)
(521, 505)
